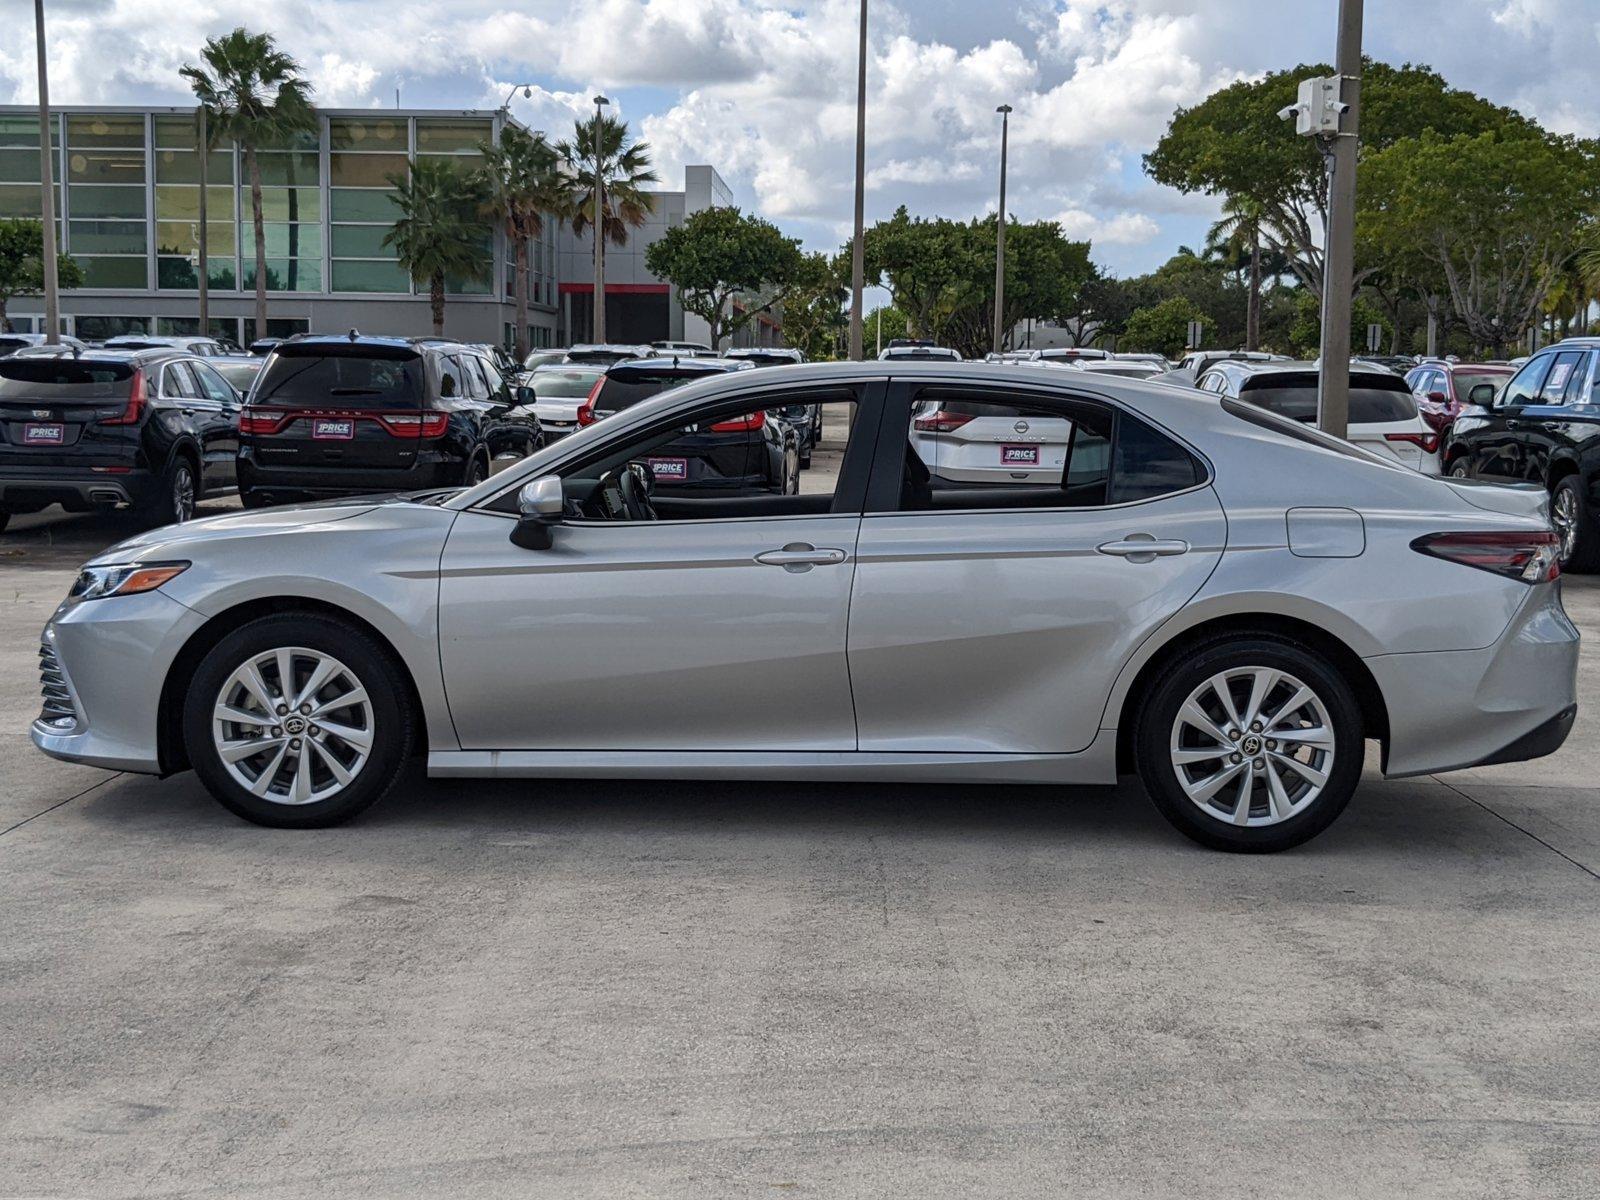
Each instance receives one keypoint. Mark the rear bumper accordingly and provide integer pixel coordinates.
(317, 483)
(1464, 708)
(29, 489)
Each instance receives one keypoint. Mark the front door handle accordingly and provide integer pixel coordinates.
(801, 556)
(1143, 548)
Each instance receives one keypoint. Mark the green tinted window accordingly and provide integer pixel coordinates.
(24, 131)
(105, 129)
(360, 241)
(365, 170)
(183, 237)
(19, 166)
(107, 237)
(362, 206)
(176, 203)
(180, 274)
(112, 272)
(369, 277)
(447, 137)
(283, 241)
(288, 169)
(23, 201)
(105, 166)
(176, 133)
(177, 166)
(286, 204)
(285, 274)
(107, 201)
(367, 133)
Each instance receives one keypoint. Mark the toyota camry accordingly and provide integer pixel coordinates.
(1222, 600)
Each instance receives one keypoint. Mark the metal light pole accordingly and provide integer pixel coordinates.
(858, 243)
(47, 188)
(1000, 238)
(204, 244)
(598, 225)
(1333, 393)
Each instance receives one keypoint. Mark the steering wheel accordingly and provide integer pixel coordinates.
(636, 484)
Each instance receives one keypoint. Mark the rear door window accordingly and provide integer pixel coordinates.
(1525, 384)
(372, 378)
(1555, 383)
(1575, 386)
(177, 381)
(212, 384)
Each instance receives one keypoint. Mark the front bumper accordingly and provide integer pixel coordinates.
(113, 656)
(1514, 700)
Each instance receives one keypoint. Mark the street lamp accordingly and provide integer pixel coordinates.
(1000, 236)
(47, 189)
(858, 242)
(527, 94)
(598, 225)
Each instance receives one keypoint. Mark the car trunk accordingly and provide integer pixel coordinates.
(68, 412)
(358, 407)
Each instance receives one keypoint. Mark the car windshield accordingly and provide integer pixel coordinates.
(560, 385)
(1373, 401)
(63, 378)
(365, 377)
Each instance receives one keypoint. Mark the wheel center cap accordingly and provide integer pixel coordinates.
(294, 725)
(1251, 745)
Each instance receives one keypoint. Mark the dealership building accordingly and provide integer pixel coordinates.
(128, 210)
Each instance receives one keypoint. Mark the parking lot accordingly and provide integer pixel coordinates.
(608, 989)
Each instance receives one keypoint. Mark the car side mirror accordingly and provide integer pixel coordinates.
(540, 507)
(524, 394)
(1482, 395)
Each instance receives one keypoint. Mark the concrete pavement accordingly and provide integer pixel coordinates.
(576, 989)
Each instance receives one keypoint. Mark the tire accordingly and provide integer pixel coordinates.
(291, 798)
(5, 519)
(1298, 808)
(1575, 524)
(1460, 469)
(477, 471)
(173, 502)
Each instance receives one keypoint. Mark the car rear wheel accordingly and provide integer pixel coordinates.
(1460, 470)
(1250, 744)
(477, 471)
(175, 497)
(297, 721)
(1575, 526)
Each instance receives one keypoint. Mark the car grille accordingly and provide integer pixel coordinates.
(60, 711)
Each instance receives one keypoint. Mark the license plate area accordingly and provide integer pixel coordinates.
(44, 433)
(1019, 456)
(669, 470)
(333, 429)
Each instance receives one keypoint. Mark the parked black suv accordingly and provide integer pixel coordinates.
(1543, 428)
(153, 429)
(342, 416)
(752, 453)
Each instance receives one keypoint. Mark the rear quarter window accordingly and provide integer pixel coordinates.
(1146, 463)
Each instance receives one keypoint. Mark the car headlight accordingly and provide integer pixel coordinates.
(123, 579)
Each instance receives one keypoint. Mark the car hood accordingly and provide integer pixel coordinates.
(169, 541)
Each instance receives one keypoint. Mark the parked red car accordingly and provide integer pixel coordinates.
(1444, 388)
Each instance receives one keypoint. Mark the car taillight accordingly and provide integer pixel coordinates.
(417, 425)
(255, 421)
(1531, 557)
(745, 424)
(1429, 442)
(586, 409)
(943, 422)
(134, 410)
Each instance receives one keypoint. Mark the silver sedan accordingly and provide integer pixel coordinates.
(1223, 601)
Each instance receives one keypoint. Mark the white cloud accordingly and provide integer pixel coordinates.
(1119, 229)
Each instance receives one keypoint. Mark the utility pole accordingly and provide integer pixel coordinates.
(599, 227)
(858, 243)
(1333, 392)
(1000, 238)
(47, 188)
(205, 264)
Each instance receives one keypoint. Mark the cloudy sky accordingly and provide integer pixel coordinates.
(765, 90)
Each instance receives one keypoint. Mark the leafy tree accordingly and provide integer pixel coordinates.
(441, 231)
(919, 261)
(884, 323)
(603, 149)
(719, 253)
(1305, 335)
(522, 185)
(253, 94)
(1496, 215)
(814, 316)
(1163, 327)
(22, 264)
(1234, 144)
(1240, 232)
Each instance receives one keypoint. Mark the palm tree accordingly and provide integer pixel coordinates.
(1240, 229)
(602, 149)
(522, 184)
(253, 94)
(441, 229)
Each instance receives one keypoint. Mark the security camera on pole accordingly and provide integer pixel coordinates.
(1329, 110)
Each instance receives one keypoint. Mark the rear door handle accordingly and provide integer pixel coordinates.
(801, 556)
(1142, 548)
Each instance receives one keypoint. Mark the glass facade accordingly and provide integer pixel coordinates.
(128, 202)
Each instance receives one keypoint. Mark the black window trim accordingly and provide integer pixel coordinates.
(888, 468)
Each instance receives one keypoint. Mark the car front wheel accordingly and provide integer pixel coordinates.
(297, 721)
(1250, 744)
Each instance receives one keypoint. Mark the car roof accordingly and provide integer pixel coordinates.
(672, 363)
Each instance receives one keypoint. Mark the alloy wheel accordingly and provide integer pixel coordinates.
(293, 726)
(1460, 471)
(183, 498)
(1252, 746)
(1564, 516)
